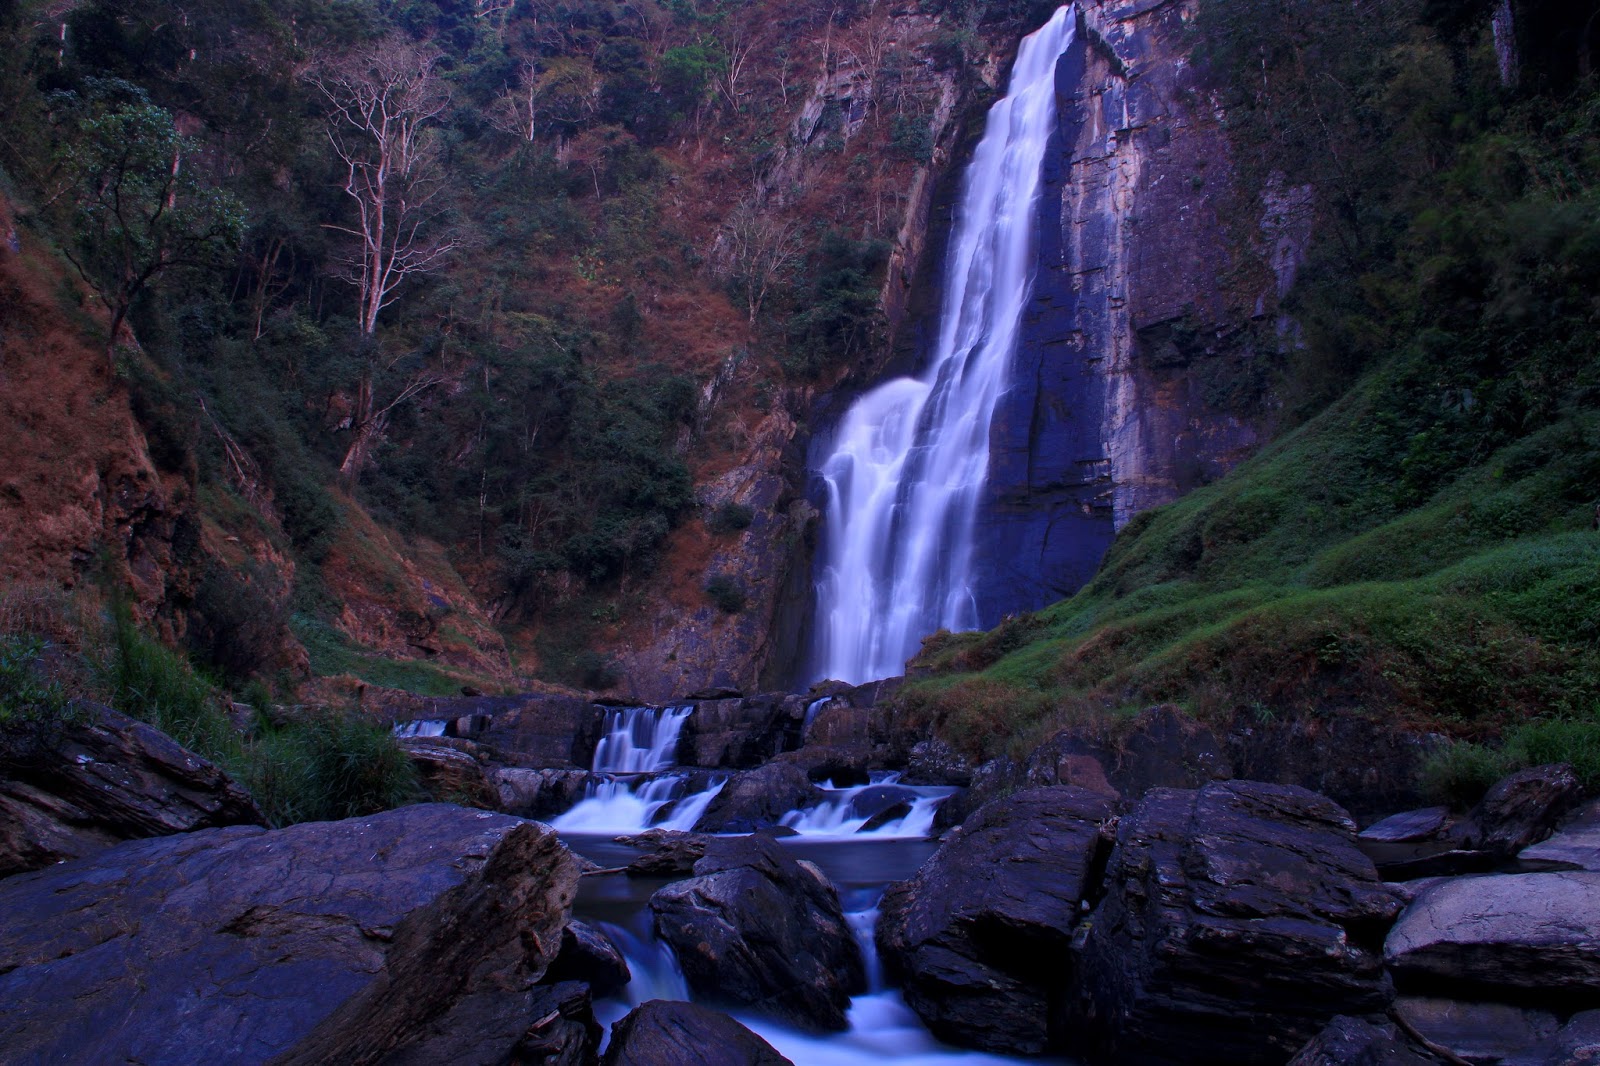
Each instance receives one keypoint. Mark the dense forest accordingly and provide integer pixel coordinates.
(478, 270)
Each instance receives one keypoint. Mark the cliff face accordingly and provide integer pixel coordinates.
(1138, 376)
(1169, 269)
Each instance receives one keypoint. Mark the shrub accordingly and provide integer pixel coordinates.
(33, 706)
(726, 593)
(1461, 773)
(729, 517)
(327, 768)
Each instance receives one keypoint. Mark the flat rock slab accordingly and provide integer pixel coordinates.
(1477, 1032)
(1409, 826)
(1358, 1042)
(1530, 934)
(109, 779)
(1575, 845)
(324, 942)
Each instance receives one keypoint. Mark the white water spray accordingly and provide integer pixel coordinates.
(911, 456)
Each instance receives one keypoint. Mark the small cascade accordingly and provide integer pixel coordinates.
(883, 808)
(631, 791)
(421, 728)
(910, 458)
(640, 740)
(811, 715)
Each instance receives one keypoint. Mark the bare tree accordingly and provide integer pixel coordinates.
(762, 251)
(559, 91)
(382, 103)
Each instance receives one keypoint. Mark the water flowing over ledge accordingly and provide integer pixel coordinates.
(911, 456)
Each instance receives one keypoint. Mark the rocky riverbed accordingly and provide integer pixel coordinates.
(1130, 902)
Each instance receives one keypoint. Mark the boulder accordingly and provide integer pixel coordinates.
(1476, 1031)
(1535, 935)
(109, 779)
(1576, 1044)
(535, 793)
(662, 1033)
(756, 799)
(536, 729)
(1524, 808)
(546, 1025)
(979, 936)
(450, 774)
(1575, 845)
(1238, 920)
(1430, 842)
(323, 942)
(933, 762)
(1358, 1042)
(667, 852)
(588, 955)
(742, 733)
(757, 930)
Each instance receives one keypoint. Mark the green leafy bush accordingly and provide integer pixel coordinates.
(726, 593)
(729, 517)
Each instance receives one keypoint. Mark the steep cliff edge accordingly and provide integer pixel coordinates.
(1138, 376)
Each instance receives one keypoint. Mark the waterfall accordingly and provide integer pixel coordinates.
(910, 458)
(640, 742)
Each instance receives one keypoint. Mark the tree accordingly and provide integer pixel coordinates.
(383, 102)
(763, 251)
(139, 214)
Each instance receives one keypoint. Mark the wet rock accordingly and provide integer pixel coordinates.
(1524, 808)
(1239, 919)
(757, 930)
(661, 1033)
(323, 942)
(537, 730)
(1423, 843)
(667, 853)
(1576, 1044)
(1574, 846)
(979, 936)
(1408, 826)
(1502, 936)
(892, 813)
(588, 955)
(532, 793)
(1477, 1032)
(1358, 1042)
(107, 780)
(741, 734)
(993, 780)
(451, 775)
(756, 799)
(547, 1025)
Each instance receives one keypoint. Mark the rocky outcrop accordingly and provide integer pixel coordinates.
(452, 773)
(740, 734)
(532, 730)
(324, 942)
(661, 1033)
(1238, 920)
(107, 779)
(1575, 845)
(1502, 936)
(756, 799)
(979, 937)
(538, 793)
(755, 929)
(1523, 809)
(587, 955)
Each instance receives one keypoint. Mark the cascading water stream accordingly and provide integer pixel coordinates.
(639, 741)
(911, 456)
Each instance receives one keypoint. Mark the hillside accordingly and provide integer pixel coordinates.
(1419, 548)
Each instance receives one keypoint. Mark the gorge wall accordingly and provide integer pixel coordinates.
(1138, 376)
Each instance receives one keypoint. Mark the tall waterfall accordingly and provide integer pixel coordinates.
(910, 457)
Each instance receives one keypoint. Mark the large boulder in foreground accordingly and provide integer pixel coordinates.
(979, 937)
(1534, 935)
(1239, 919)
(755, 929)
(324, 942)
(1358, 1042)
(109, 779)
(662, 1033)
(757, 799)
